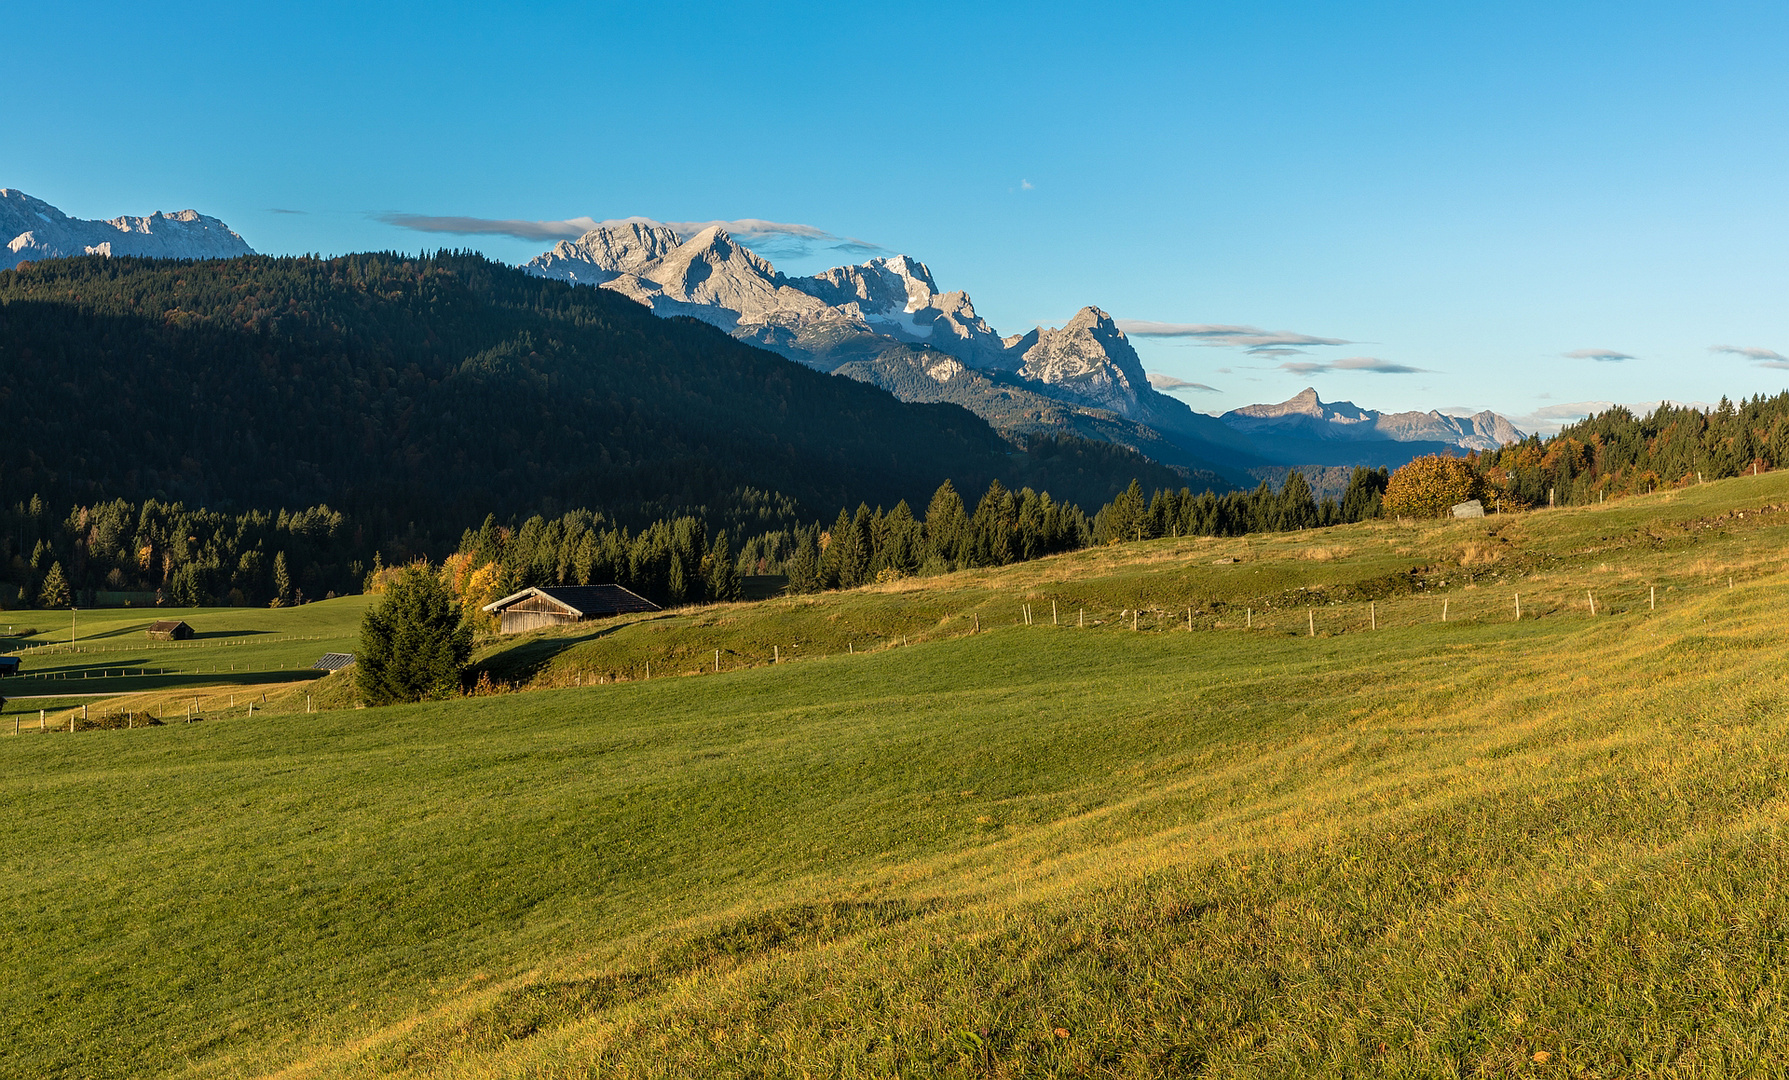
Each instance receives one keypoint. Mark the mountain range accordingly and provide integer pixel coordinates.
(33, 229)
(884, 322)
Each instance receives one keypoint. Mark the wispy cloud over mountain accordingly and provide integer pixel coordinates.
(1607, 356)
(1549, 419)
(768, 238)
(1252, 338)
(1352, 363)
(1168, 384)
(1769, 358)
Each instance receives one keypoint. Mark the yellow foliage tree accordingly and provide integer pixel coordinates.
(1429, 486)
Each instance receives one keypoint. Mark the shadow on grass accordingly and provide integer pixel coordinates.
(71, 682)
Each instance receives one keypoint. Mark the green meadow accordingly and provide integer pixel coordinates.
(111, 663)
(1324, 831)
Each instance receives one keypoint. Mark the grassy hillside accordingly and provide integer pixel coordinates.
(1474, 847)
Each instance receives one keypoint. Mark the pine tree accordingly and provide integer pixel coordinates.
(282, 578)
(947, 522)
(414, 644)
(720, 575)
(54, 593)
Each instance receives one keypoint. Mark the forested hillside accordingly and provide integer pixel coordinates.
(418, 395)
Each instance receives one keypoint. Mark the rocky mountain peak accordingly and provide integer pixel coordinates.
(1089, 358)
(1307, 416)
(602, 254)
(33, 229)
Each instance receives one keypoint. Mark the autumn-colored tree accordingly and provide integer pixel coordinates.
(1429, 486)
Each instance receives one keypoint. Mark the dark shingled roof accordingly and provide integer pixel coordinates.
(334, 661)
(162, 626)
(588, 601)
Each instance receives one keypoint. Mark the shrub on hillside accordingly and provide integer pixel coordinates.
(414, 644)
(1429, 486)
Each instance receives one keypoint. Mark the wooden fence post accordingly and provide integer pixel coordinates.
(1518, 607)
(1444, 609)
(1373, 615)
(1652, 598)
(1053, 620)
(1312, 614)
(1592, 597)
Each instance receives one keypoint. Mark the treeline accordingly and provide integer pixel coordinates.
(669, 562)
(161, 552)
(156, 552)
(1184, 513)
(1618, 453)
(676, 561)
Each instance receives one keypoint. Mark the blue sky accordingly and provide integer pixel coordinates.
(1531, 205)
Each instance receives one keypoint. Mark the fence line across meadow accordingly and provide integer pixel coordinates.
(44, 648)
(1309, 615)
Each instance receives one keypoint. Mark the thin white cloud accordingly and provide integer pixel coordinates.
(1352, 363)
(785, 238)
(1548, 419)
(1606, 356)
(1026, 185)
(1252, 338)
(1168, 384)
(1769, 358)
(278, 210)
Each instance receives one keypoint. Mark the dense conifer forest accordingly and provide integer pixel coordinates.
(417, 395)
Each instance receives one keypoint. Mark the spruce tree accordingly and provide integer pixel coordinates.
(54, 592)
(282, 578)
(946, 523)
(414, 644)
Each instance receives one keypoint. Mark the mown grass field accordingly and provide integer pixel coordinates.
(1473, 847)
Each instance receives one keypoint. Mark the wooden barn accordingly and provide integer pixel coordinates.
(557, 605)
(170, 630)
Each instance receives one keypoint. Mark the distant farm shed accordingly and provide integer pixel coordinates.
(556, 605)
(170, 630)
(334, 661)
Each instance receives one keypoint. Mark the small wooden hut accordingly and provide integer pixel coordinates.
(558, 605)
(170, 630)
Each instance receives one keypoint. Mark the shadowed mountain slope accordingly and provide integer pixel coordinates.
(419, 394)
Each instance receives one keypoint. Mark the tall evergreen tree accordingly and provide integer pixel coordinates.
(54, 591)
(282, 578)
(413, 644)
(947, 522)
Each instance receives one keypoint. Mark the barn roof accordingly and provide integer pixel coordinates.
(334, 661)
(584, 601)
(162, 626)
